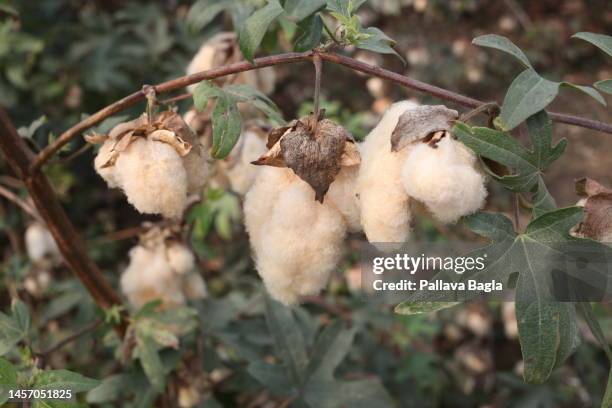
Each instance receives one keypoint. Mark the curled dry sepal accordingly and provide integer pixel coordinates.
(314, 148)
(167, 127)
(428, 123)
(597, 202)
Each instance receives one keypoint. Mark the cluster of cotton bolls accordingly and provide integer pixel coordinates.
(297, 236)
(161, 268)
(156, 164)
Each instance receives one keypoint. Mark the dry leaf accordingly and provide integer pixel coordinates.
(163, 135)
(419, 122)
(95, 138)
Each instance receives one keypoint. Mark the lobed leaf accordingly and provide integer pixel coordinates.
(310, 31)
(604, 86)
(303, 9)
(227, 124)
(63, 379)
(592, 92)
(254, 28)
(204, 11)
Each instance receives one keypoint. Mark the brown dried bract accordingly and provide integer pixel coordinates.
(597, 222)
(314, 149)
(420, 122)
(167, 127)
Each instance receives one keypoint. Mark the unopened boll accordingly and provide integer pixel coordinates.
(40, 244)
(385, 206)
(297, 241)
(162, 271)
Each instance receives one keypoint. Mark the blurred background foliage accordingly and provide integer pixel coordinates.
(63, 59)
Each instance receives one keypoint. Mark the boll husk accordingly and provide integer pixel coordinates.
(40, 245)
(295, 233)
(222, 49)
(161, 269)
(410, 154)
(157, 165)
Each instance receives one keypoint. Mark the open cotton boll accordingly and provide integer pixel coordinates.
(342, 194)
(40, 243)
(197, 168)
(107, 173)
(194, 286)
(180, 258)
(385, 207)
(149, 277)
(153, 178)
(297, 240)
(240, 172)
(444, 179)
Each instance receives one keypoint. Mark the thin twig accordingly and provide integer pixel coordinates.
(90, 327)
(15, 199)
(287, 58)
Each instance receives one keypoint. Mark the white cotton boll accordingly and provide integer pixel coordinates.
(297, 241)
(194, 286)
(444, 179)
(149, 277)
(197, 168)
(40, 243)
(180, 258)
(241, 173)
(202, 61)
(342, 194)
(107, 173)
(153, 178)
(385, 207)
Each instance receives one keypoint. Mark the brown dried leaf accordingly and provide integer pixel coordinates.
(272, 158)
(420, 122)
(124, 142)
(315, 158)
(125, 127)
(597, 222)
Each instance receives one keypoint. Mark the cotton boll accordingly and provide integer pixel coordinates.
(342, 194)
(385, 207)
(444, 179)
(194, 286)
(149, 277)
(180, 258)
(202, 61)
(197, 168)
(240, 172)
(40, 243)
(107, 173)
(297, 241)
(153, 178)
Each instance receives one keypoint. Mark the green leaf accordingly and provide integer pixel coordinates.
(273, 377)
(604, 86)
(203, 12)
(227, 124)
(587, 90)
(309, 33)
(529, 93)
(302, 9)
(13, 328)
(246, 93)
(503, 44)
(255, 27)
(288, 340)
(344, 7)
(607, 398)
(8, 379)
(602, 41)
(411, 308)
(501, 147)
(63, 379)
(203, 92)
(377, 41)
(151, 362)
